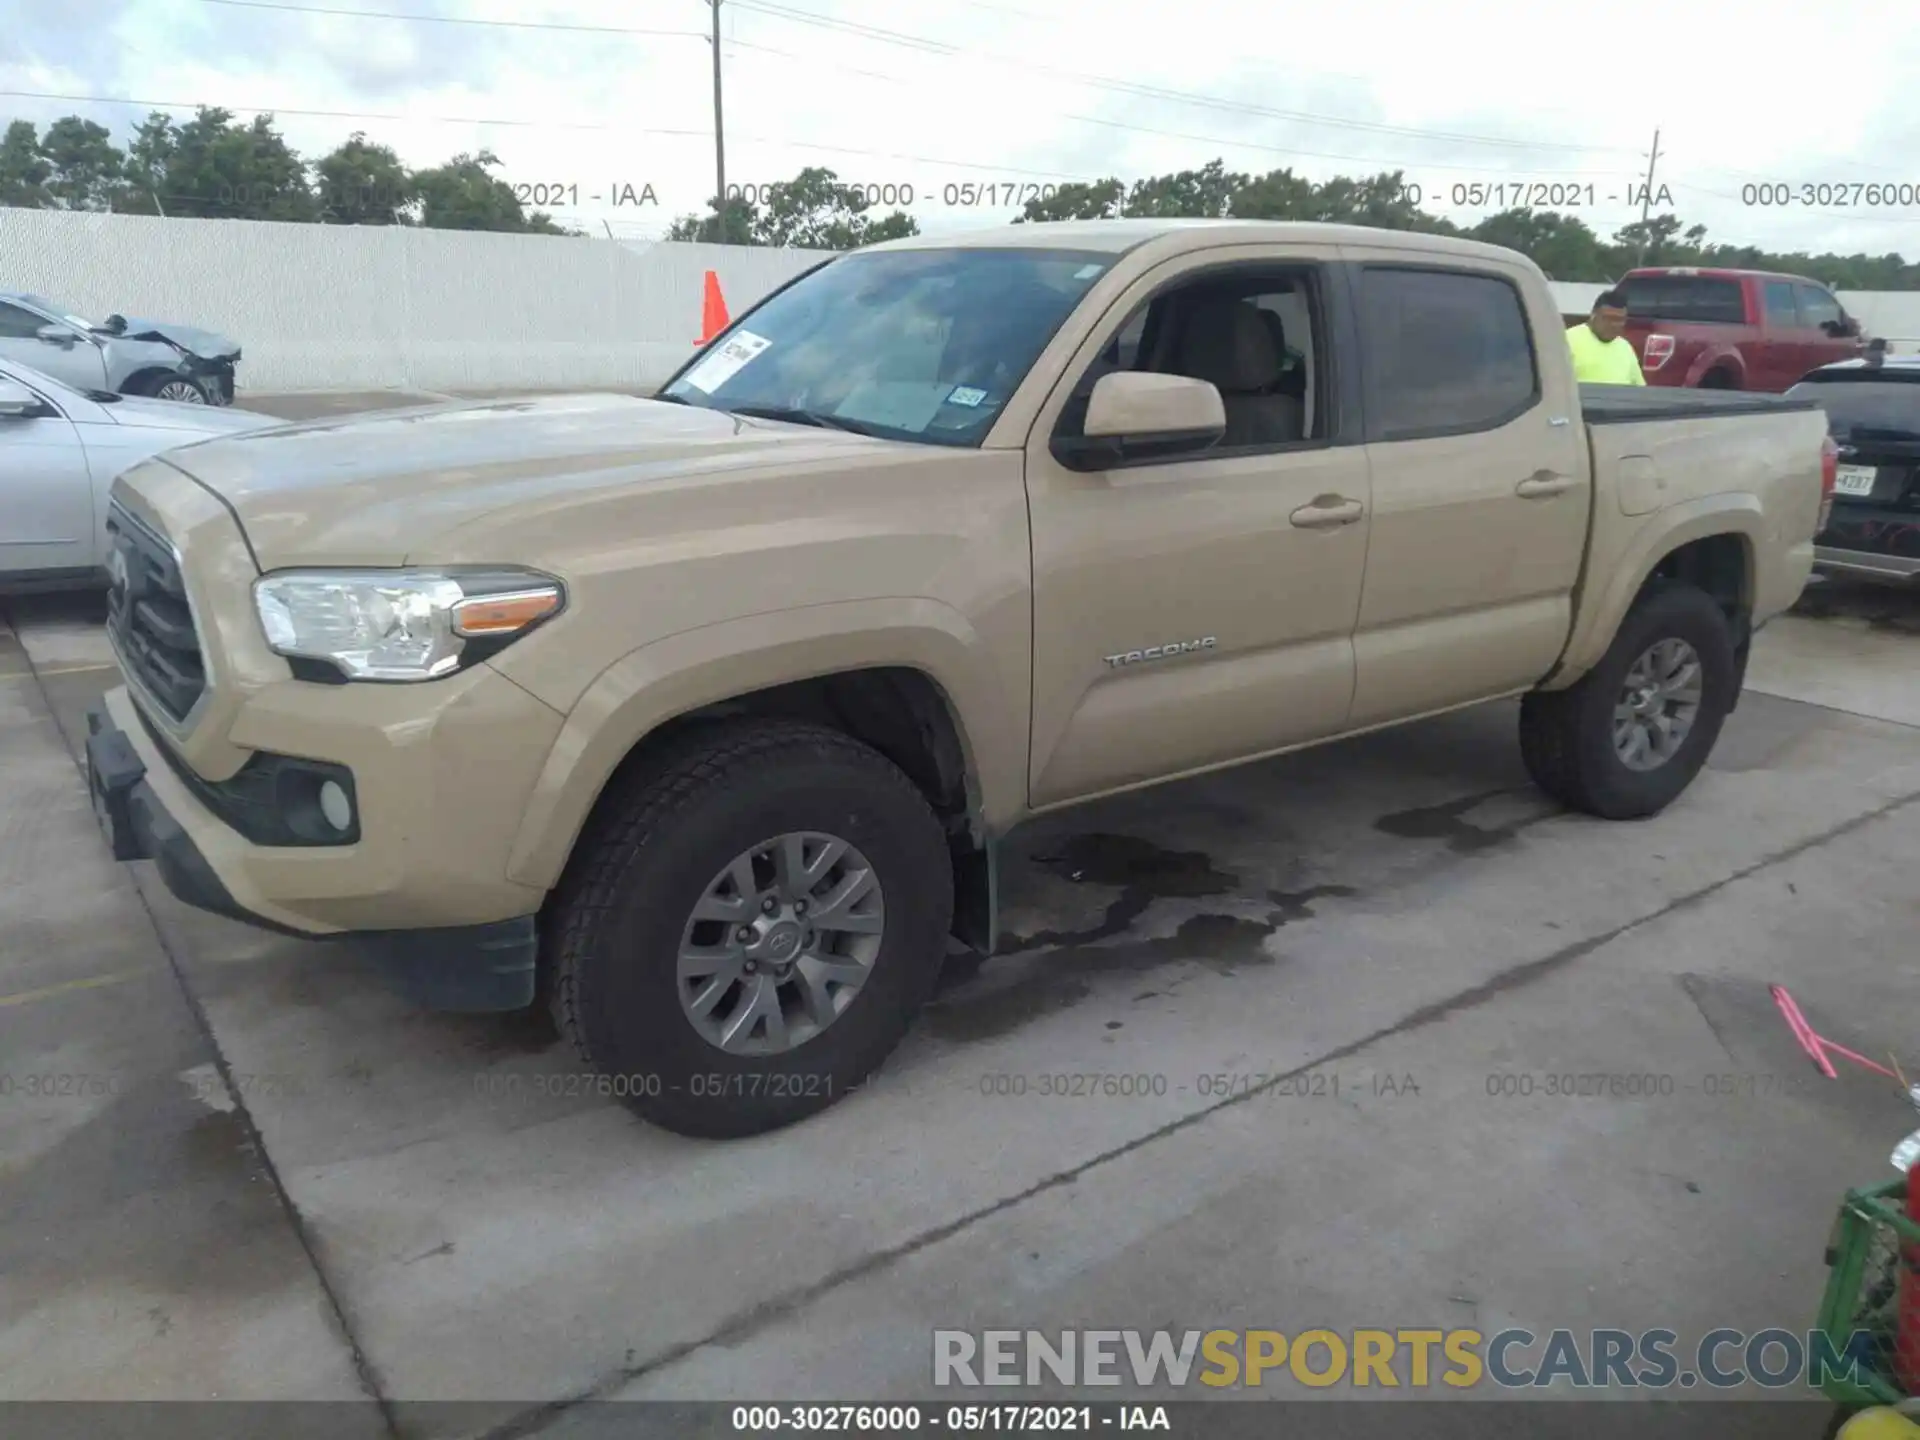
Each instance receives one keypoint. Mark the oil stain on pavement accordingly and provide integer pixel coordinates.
(970, 1009)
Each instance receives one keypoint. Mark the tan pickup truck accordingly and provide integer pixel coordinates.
(698, 718)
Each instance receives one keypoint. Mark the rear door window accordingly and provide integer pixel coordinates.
(1446, 352)
(1782, 314)
(1685, 299)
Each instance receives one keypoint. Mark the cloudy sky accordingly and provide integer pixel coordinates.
(1002, 94)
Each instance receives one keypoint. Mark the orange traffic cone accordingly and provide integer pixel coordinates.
(713, 310)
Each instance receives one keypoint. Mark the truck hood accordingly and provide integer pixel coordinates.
(377, 489)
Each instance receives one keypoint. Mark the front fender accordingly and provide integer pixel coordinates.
(682, 673)
(1598, 617)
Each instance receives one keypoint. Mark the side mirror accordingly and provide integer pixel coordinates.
(17, 402)
(1133, 415)
(116, 325)
(56, 335)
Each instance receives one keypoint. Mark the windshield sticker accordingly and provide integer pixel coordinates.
(1087, 272)
(726, 362)
(966, 395)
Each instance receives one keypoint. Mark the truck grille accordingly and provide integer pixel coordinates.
(148, 615)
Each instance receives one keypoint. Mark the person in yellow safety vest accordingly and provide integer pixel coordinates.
(1601, 355)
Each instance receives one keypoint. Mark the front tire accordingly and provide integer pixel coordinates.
(181, 389)
(1626, 739)
(749, 927)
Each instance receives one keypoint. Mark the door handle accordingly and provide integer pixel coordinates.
(1327, 512)
(1544, 482)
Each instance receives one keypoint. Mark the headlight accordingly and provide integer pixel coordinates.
(400, 624)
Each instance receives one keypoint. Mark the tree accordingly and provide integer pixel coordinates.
(464, 194)
(1102, 200)
(1561, 245)
(1277, 195)
(149, 154)
(1206, 192)
(24, 172)
(363, 184)
(814, 211)
(217, 168)
(86, 170)
(743, 224)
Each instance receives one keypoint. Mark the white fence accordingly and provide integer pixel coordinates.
(362, 307)
(341, 307)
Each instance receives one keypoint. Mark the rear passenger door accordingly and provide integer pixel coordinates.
(1481, 484)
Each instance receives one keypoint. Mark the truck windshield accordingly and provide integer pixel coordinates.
(923, 345)
(1865, 409)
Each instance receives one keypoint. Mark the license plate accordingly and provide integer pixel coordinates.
(1855, 480)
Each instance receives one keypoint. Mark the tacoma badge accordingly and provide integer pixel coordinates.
(1160, 652)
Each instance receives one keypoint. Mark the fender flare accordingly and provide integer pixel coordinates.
(1725, 357)
(685, 672)
(1599, 616)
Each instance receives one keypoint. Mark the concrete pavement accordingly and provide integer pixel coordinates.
(434, 1208)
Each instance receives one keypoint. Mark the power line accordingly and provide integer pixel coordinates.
(624, 129)
(350, 114)
(1155, 92)
(450, 19)
(944, 48)
(1171, 134)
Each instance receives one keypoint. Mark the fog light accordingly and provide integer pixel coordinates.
(335, 805)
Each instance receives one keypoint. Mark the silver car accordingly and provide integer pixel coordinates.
(133, 357)
(60, 449)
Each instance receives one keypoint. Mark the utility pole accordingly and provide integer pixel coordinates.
(1646, 196)
(719, 138)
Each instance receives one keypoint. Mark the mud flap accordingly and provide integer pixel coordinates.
(976, 897)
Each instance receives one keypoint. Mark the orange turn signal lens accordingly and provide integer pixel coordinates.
(490, 615)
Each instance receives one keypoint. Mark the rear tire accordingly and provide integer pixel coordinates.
(1572, 740)
(641, 895)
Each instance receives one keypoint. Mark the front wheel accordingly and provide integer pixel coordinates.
(750, 927)
(1626, 739)
(180, 389)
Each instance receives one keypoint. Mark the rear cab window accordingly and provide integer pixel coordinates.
(1685, 299)
(1444, 352)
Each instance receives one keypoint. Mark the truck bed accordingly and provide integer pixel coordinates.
(1622, 404)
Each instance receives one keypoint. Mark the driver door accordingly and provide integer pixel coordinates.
(1198, 609)
(74, 358)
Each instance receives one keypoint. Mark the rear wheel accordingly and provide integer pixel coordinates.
(1716, 380)
(750, 928)
(1630, 735)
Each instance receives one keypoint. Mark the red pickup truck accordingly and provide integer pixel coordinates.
(1734, 329)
